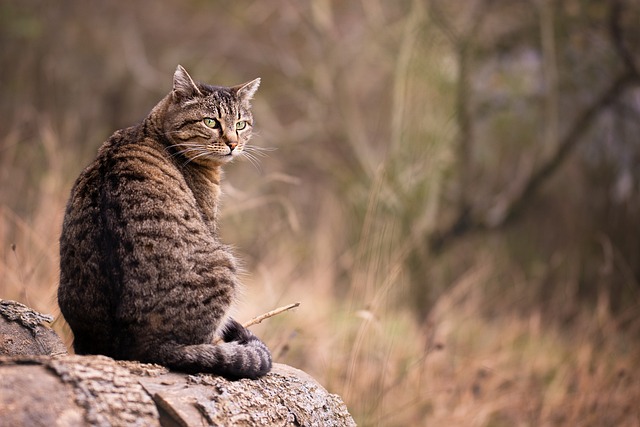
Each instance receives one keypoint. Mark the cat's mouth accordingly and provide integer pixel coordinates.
(225, 158)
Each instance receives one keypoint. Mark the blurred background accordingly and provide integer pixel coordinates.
(451, 189)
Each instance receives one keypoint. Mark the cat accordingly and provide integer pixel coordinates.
(143, 275)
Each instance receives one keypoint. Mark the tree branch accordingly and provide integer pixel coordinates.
(510, 208)
(617, 37)
(463, 41)
(565, 148)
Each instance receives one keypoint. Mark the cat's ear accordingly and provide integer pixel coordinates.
(183, 85)
(245, 91)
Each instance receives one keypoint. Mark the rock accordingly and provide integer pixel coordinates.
(98, 391)
(78, 390)
(22, 332)
(71, 390)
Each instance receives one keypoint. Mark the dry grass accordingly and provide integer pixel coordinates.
(460, 367)
(463, 367)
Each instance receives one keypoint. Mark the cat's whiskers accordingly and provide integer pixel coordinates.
(184, 152)
(183, 144)
(253, 154)
(198, 148)
(202, 154)
(259, 150)
(252, 159)
(179, 148)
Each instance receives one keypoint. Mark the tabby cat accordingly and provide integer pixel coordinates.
(143, 275)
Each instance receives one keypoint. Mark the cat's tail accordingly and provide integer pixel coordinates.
(242, 355)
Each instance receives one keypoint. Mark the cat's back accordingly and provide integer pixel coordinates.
(133, 179)
(132, 184)
(128, 155)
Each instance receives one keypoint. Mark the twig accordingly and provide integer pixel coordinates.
(264, 316)
(271, 313)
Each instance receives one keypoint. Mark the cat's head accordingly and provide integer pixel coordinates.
(208, 124)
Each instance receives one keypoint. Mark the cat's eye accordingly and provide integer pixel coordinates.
(241, 124)
(209, 122)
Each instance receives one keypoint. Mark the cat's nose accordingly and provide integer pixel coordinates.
(231, 144)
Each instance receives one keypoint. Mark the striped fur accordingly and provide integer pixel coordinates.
(143, 275)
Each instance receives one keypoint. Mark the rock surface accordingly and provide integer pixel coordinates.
(47, 387)
(22, 332)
